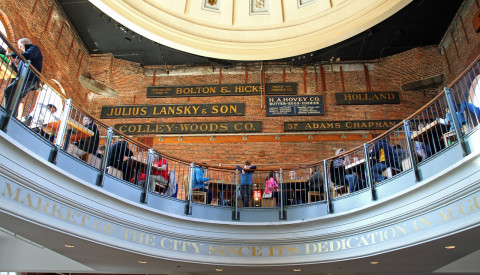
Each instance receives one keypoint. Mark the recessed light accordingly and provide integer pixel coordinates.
(142, 262)
(450, 247)
(69, 245)
(219, 269)
(297, 269)
(374, 262)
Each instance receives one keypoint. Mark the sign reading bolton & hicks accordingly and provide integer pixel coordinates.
(295, 105)
(367, 98)
(339, 125)
(183, 110)
(190, 128)
(289, 88)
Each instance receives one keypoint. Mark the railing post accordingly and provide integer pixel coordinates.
(106, 155)
(283, 212)
(188, 206)
(326, 187)
(236, 213)
(62, 135)
(368, 171)
(411, 149)
(12, 105)
(148, 172)
(456, 124)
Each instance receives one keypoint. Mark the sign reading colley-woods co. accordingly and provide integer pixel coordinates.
(182, 110)
(367, 98)
(289, 88)
(339, 125)
(295, 105)
(190, 128)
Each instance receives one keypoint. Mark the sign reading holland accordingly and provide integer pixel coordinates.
(367, 98)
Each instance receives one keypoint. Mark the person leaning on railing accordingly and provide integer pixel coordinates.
(30, 52)
(246, 181)
(118, 156)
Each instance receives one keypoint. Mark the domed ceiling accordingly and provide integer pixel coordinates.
(249, 29)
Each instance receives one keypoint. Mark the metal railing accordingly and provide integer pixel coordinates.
(71, 130)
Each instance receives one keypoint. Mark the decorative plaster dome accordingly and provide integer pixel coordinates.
(249, 29)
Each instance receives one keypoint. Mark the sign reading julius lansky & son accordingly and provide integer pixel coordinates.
(182, 110)
(289, 88)
(339, 125)
(190, 128)
(367, 98)
(295, 105)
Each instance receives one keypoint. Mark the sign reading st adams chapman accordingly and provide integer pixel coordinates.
(367, 98)
(183, 110)
(289, 88)
(190, 128)
(339, 125)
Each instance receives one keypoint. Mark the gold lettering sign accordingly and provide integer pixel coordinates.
(399, 233)
(289, 88)
(183, 110)
(339, 125)
(367, 98)
(190, 128)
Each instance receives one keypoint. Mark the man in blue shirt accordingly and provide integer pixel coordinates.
(200, 182)
(246, 181)
(32, 53)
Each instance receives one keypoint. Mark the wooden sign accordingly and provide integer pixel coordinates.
(339, 125)
(182, 110)
(190, 128)
(223, 90)
(295, 105)
(367, 98)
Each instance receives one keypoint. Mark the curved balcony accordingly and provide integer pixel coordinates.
(53, 197)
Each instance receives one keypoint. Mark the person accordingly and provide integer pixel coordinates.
(315, 181)
(100, 151)
(271, 187)
(200, 182)
(400, 152)
(385, 156)
(30, 52)
(474, 111)
(87, 145)
(449, 119)
(41, 117)
(246, 181)
(338, 173)
(158, 175)
(118, 156)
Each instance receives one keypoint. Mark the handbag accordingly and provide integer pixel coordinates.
(267, 195)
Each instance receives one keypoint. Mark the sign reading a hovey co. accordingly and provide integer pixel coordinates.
(289, 88)
(295, 105)
(182, 110)
(190, 128)
(367, 98)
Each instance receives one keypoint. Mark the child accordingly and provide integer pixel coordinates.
(271, 187)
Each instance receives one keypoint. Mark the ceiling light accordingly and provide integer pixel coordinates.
(297, 269)
(219, 269)
(450, 247)
(374, 262)
(69, 245)
(142, 262)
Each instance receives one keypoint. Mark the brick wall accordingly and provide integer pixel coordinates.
(43, 21)
(66, 58)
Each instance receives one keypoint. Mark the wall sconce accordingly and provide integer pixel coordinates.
(245, 138)
(277, 137)
(212, 138)
(310, 137)
(180, 138)
(160, 138)
(343, 136)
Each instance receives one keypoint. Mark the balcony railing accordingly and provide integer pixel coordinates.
(65, 129)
